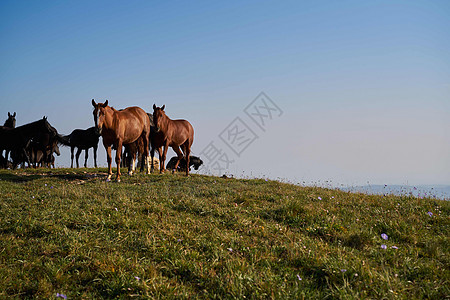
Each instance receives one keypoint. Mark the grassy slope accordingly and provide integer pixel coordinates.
(167, 235)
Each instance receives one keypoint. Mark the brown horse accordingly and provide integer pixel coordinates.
(174, 133)
(120, 127)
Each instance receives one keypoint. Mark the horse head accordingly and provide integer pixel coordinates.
(55, 149)
(48, 128)
(158, 115)
(99, 115)
(11, 121)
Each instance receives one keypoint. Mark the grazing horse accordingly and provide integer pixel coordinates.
(83, 139)
(17, 139)
(175, 134)
(119, 128)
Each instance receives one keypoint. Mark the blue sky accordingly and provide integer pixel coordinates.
(364, 85)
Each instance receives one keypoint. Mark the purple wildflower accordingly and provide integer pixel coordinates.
(430, 213)
(343, 270)
(137, 278)
(384, 236)
(320, 198)
(299, 278)
(58, 295)
(394, 247)
(383, 246)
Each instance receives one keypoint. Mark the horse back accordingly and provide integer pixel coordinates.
(84, 138)
(133, 122)
(180, 131)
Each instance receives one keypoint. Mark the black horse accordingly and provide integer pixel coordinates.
(18, 139)
(83, 139)
(193, 161)
(9, 123)
(44, 146)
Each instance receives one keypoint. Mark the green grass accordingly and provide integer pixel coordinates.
(168, 236)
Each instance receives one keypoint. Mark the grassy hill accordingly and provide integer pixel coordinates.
(167, 236)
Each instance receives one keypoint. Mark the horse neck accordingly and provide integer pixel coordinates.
(164, 123)
(9, 123)
(110, 114)
(30, 127)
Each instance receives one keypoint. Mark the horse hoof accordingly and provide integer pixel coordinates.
(130, 173)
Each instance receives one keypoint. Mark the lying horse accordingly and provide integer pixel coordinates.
(193, 161)
(119, 128)
(174, 133)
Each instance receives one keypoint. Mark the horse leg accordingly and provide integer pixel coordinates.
(132, 163)
(152, 154)
(95, 155)
(145, 153)
(179, 156)
(27, 158)
(109, 160)
(118, 156)
(160, 153)
(163, 158)
(86, 155)
(78, 156)
(187, 152)
(71, 156)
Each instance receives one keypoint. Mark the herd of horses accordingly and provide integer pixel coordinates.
(132, 129)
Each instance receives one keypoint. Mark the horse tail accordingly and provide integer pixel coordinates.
(63, 139)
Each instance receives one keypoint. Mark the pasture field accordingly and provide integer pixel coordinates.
(68, 232)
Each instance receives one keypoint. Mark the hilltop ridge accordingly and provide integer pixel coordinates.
(67, 231)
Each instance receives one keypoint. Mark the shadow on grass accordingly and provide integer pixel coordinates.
(24, 177)
(18, 178)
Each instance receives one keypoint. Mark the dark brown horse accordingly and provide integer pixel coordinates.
(175, 134)
(120, 127)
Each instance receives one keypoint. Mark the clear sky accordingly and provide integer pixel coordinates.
(363, 86)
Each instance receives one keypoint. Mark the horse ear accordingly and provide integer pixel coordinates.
(154, 107)
(162, 107)
(14, 115)
(9, 115)
(93, 103)
(105, 104)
